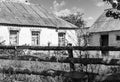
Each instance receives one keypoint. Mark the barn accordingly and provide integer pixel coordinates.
(24, 23)
(106, 32)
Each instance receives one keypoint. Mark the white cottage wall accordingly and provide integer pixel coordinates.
(46, 36)
(4, 34)
(71, 37)
(25, 36)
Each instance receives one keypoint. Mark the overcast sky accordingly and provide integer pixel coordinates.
(92, 9)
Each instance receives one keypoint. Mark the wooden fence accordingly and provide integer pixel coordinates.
(69, 59)
(88, 48)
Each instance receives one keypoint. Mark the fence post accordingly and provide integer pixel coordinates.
(70, 52)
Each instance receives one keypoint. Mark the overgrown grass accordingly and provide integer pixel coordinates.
(30, 65)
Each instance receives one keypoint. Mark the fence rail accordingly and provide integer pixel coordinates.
(50, 72)
(70, 49)
(84, 61)
(94, 48)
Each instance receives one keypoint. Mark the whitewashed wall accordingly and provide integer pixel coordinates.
(112, 39)
(4, 34)
(46, 35)
(114, 42)
(95, 41)
(71, 37)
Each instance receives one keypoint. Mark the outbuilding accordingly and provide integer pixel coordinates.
(106, 32)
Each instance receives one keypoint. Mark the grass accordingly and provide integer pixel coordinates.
(31, 65)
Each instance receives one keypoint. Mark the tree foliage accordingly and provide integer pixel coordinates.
(75, 18)
(115, 3)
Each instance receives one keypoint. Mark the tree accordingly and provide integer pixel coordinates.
(115, 3)
(75, 18)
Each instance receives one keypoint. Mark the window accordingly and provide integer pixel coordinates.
(61, 39)
(118, 37)
(14, 37)
(35, 38)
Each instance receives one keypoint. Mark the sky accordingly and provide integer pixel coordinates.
(92, 9)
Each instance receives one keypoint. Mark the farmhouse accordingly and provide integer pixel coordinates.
(106, 32)
(24, 23)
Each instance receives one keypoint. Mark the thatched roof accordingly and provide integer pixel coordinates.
(21, 14)
(106, 24)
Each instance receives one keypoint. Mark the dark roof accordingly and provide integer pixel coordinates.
(31, 15)
(106, 24)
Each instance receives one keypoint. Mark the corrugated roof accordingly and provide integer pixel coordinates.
(106, 24)
(31, 15)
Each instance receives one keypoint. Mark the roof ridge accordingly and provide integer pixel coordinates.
(16, 1)
(28, 3)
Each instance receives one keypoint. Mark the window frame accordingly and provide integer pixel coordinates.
(62, 36)
(17, 34)
(38, 31)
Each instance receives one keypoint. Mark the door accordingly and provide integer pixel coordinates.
(104, 41)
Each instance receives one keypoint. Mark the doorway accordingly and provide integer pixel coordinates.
(104, 41)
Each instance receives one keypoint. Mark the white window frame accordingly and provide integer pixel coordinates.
(63, 38)
(37, 31)
(17, 35)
